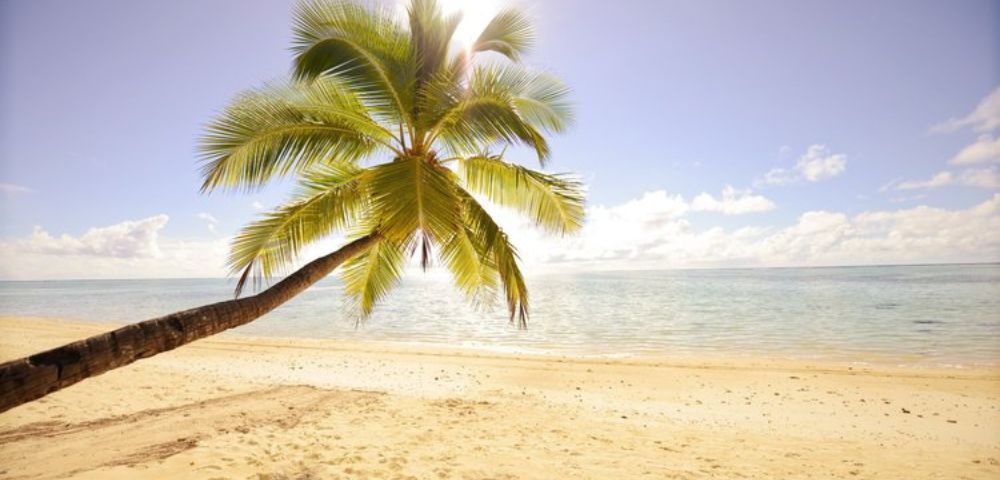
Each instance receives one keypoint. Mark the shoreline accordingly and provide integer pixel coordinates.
(235, 407)
(874, 361)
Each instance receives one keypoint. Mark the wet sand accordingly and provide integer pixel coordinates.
(234, 407)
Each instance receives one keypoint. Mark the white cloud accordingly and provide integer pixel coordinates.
(981, 178)
(986, 149)
(891, 184)
(908, 198)
(940, 179)
(210, 220)
(776, 176)
(817, 163)
(130, 249)
(985, 118)
(257, 205)
(653, 208)
(208, 217)
(616, 238)
(9, 189)
(129, 239)
(733, 202)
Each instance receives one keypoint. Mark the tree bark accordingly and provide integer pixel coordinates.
(33, 377)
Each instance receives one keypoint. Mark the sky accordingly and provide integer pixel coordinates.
(709, 133)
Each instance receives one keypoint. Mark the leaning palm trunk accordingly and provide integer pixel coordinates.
(33, 377)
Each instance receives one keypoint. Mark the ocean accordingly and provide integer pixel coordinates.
(941, 315)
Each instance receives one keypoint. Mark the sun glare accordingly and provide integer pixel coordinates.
(476, 14)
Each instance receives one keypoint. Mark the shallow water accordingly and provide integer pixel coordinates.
(937, 315)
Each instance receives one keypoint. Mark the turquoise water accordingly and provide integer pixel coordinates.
(941, 315)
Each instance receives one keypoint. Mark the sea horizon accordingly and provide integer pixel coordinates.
(529, 273)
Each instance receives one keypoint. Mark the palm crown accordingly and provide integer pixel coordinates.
(368, 87)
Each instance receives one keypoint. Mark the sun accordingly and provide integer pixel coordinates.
(476, 14)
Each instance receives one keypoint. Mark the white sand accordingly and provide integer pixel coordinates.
(265, 408)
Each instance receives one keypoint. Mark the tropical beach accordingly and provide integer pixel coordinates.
(270, 408)
(499, 239)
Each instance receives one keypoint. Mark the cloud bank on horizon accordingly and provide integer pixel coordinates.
(650, 232)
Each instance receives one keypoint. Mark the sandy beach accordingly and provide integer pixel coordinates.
(234, 407)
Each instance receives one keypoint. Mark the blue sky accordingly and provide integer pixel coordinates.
(102, 102)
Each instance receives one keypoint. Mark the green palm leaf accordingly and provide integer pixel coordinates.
(509, 33)
(471, 265)
(364, 47)
(478, 123)
(492, 243)
(330, 199)
(430, 34)
(369, 277)
(554, 202)
(410, 195)
(282, 129)
(503, 104)
(542, 100)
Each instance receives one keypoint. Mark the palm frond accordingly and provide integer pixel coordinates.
(509, 33)
(283, 129)
(329, 199)
(544, 103)
(541, 99)
(441, 93)
(471, 265)
(505, 103)
(555, 202)
(369, 277)
(365, 47)
(492, 243)
(481, 122)
(430, 36)
(411, 194)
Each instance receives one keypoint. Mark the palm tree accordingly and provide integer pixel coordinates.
(366, 87)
